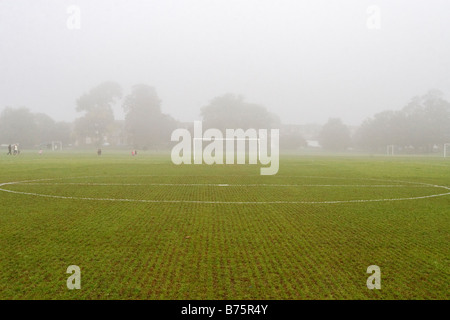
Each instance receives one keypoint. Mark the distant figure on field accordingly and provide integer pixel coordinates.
(132, 153)
(40, 151)
(16, 149)
(99, 151)
(9, 150)
(135, 152)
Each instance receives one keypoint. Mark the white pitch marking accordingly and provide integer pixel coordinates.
(224, 185)
(224, 202)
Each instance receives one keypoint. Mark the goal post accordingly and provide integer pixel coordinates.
(57, 145)
(446, 150)
(390, 150)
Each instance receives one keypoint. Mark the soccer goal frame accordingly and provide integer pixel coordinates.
(390, 150)
(57, 145)
(446, 150)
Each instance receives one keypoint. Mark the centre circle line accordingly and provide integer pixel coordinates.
(24, 182)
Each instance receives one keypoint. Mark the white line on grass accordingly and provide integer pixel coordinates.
(223, 202)
(222, 185)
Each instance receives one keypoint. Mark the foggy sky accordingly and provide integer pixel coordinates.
(304, 60)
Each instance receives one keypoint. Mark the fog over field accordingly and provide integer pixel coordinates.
(244, 151)
(306, 61)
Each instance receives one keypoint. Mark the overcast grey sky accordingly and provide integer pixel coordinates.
(304, 60)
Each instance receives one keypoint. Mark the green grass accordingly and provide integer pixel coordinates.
(196, 250)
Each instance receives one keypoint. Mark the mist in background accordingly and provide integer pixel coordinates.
(305, 60)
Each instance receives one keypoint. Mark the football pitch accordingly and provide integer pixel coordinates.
(144, 228)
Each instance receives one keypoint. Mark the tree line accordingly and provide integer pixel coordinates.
(145, 125)
(20, 126)
(418, 127)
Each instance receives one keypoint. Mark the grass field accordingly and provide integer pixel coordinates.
(143, 228)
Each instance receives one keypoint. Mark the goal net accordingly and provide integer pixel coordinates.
(57, 145)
